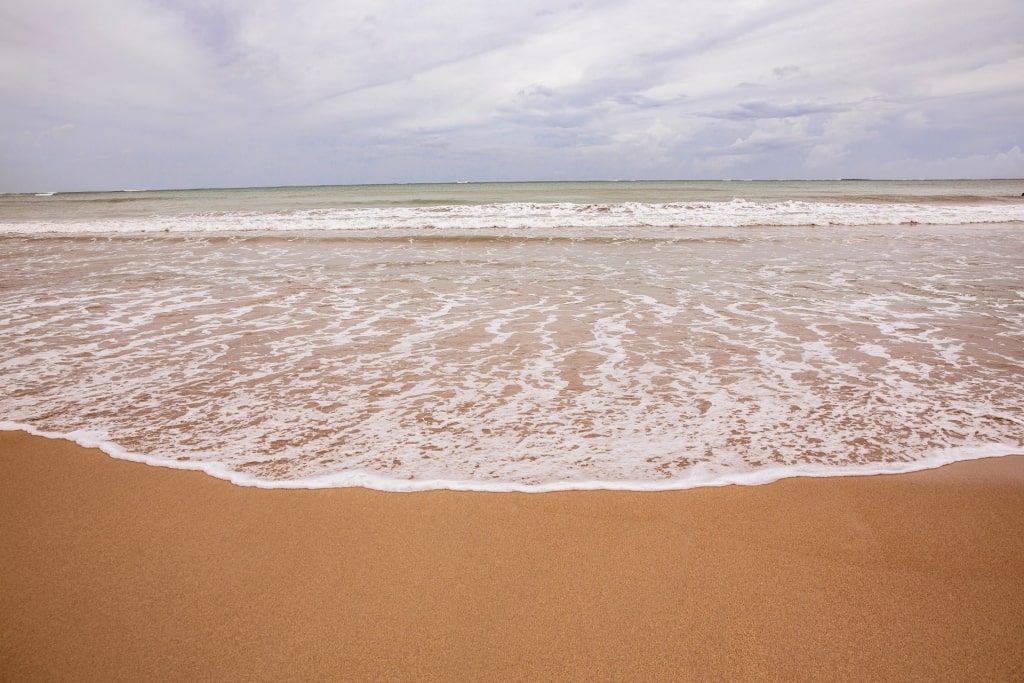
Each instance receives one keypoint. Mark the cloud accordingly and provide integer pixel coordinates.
(1002, 164)
(760, 109)
(225, 92)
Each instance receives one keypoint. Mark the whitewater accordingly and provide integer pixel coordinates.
(527, 337)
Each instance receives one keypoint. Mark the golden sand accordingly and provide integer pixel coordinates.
(111, 570)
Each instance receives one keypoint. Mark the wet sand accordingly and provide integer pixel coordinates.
(112, 570)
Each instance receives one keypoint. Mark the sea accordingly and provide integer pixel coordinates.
(529, 336)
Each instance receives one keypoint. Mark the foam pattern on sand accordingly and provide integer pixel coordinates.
(495, 361)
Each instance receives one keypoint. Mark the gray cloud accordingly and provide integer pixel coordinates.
(759, 109)
(127, 93)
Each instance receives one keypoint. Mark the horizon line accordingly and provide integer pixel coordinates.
(44, 193)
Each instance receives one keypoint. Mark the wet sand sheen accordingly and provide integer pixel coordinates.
(112, 570)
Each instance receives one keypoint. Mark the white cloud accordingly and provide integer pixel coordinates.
(265, 91)
(1005, 75)
(1004, 164)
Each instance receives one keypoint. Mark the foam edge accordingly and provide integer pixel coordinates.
(704, 477)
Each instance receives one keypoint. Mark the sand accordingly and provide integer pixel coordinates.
(112, 570)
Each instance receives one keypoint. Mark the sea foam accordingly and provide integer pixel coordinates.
(518, 345)
(534, 217)
(708, 476)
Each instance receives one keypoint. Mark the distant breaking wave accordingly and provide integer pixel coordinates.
(519, 216)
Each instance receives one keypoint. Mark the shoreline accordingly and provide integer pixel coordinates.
(376, 482)
(113, 570)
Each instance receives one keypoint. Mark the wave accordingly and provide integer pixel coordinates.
(702, 478)
(527, 216)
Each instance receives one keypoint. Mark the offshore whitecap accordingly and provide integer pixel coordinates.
(521, 344)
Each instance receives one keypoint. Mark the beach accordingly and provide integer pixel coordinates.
(652, 430)
(113, 570)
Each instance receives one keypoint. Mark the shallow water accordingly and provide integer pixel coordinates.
(572, 355)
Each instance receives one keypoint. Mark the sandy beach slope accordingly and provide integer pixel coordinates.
(111, 570)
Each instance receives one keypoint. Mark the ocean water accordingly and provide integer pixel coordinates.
(526, 336)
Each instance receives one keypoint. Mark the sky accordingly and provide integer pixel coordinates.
(152, 94)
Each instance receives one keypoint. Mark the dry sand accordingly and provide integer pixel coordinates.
(112, 570)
